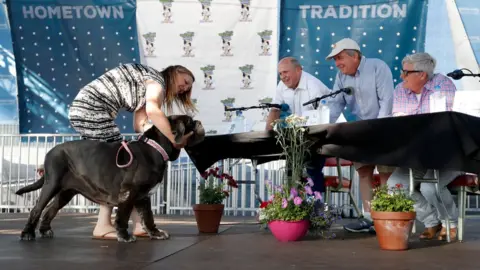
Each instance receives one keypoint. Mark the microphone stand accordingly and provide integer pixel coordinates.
(230, 109)
(316, 100)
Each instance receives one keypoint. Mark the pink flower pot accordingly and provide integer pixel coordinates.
(287, 231)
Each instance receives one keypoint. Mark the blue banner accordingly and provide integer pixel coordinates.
(59, 47)
(8, 79)
(470, 13)
(388, 30)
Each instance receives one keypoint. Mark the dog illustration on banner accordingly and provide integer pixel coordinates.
(229, 103)
(265, 111)
(226, 43)
(167, 11)
(150, 44)
(187, 44)
(208, 77)
(247, 76)
(266, 37)
(245, 12)
(206, 4)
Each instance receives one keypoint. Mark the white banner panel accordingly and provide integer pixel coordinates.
(229, 45)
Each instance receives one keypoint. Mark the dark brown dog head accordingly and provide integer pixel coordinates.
(184, 124)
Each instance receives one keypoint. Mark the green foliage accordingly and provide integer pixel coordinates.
(291, 134)
(214, 186)
(395, 199)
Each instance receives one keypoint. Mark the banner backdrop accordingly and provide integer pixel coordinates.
(59, 47)
(8, 80)
(387, 30)
(229, 45)
(470, 13)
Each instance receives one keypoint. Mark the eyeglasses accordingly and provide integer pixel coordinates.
(406, 72)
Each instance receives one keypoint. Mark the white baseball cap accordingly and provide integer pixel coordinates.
(344, 44)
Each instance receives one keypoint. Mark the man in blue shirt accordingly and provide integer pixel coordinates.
(372, 97)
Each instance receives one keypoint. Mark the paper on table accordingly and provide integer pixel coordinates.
(468, 102)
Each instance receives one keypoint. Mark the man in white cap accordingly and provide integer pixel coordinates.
(372, 97)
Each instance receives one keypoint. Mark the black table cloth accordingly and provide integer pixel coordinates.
(445, 140)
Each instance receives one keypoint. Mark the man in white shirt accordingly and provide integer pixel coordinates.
(295, 88)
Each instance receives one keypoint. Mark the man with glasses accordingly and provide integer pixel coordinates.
(412, 96)
(372, 83)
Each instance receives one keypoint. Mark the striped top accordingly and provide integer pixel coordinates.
(120, 88)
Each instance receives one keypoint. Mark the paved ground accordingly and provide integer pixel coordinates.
(240, 244)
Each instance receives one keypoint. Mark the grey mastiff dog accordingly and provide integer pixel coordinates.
(113, 173)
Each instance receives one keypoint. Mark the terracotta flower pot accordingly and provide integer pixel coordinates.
(287, 231)
(208, 217)
(393, 229)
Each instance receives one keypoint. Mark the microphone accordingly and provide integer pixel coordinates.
(458, 74)
(284, 107)
(346, 90)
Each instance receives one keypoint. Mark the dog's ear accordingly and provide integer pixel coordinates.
(178, 131)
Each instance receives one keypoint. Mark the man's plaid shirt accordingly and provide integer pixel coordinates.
(405, 101)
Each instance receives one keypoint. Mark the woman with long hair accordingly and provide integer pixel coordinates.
(136, 88)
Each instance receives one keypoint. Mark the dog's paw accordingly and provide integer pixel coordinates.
(27, 236)
(125, 237)
(159, 235)
(46, 234)
(128, 239)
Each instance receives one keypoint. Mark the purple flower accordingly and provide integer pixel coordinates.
(310, 181)
(293, 192)
(318, 195)
(297, 200)
(308, 190)
(278, 188)
(269, 183)
(284, 203)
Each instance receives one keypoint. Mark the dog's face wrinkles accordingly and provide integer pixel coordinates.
(184, 124)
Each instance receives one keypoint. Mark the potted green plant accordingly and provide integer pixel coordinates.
(393, 216)
(293, 212)
(293, 209)
(214, 188)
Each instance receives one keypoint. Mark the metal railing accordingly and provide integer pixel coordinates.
(22, 154)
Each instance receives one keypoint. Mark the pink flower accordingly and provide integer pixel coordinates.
(308, 190)
(310, 181)
(270, 198)
(318, 195)
(297, 200)
(284, 203)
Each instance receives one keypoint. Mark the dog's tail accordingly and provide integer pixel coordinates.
(37, 185)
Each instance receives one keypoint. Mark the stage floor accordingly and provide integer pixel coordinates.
(240, 244)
